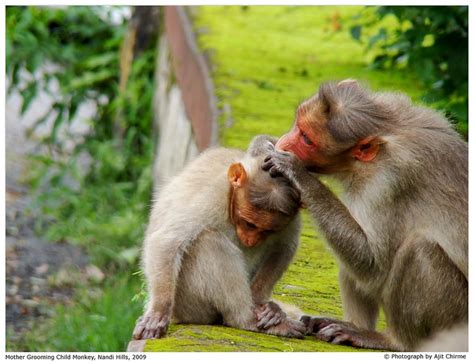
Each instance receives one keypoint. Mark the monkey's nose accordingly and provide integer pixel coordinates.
(250, 242)
(280, 145)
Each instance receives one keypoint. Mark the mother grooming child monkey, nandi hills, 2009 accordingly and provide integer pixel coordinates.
(400, 230)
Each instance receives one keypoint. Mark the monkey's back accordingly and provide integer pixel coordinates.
(197, 197)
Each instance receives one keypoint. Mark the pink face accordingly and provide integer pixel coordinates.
(309, 141)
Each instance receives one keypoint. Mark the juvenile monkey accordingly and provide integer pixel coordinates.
(400, 231)
(220, 235)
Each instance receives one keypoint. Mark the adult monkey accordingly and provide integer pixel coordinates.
(400, 233)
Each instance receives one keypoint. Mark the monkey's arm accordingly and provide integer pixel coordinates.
(343, 233)
(273, 267)
(162, 263)
(267, 313)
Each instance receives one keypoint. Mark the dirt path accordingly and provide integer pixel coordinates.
(38, 273)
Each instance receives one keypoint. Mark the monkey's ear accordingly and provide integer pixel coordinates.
(237, 174)
(348, 83)
(367, 149)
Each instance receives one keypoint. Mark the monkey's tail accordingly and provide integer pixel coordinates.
(291, 311)
(451, 340)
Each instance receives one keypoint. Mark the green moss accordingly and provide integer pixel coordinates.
(219, 338)
(266, 60)
(269, 58)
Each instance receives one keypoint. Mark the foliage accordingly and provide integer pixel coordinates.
(101, 204)
(96, 194)
(97, 321)
(430, 40)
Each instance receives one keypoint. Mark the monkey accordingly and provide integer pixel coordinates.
(220, 235)
(454, 339)
(399, 232)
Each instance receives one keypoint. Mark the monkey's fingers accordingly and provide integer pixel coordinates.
(296, 334)
(315, 324)
(263, 317)
(271, 318)
(336, 334)
(138, 332)
(297, 329)
(267, 163)
(151, 326)
(273, 321)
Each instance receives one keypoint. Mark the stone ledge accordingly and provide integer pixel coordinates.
(205, 338)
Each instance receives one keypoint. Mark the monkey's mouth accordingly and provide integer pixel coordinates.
(249, 244)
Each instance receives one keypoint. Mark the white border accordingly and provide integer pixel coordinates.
(274, 358)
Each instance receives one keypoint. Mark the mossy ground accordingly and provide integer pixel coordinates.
(267, 59)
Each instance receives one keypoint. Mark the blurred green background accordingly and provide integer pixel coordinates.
(265, 61)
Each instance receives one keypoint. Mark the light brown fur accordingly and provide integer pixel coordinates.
(196, 268)
(400, 230)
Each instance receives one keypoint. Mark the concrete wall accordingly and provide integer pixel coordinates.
(184, 103)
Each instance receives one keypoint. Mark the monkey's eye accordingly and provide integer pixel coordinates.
(249, 225)
(306, 139)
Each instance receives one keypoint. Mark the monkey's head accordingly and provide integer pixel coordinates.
(339, 126)
(259, 205)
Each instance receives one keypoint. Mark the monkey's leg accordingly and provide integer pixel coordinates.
(360, 316)
(219, 273)
(162, 264)
(359, 308)
(428, 293)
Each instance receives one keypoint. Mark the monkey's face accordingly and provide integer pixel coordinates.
(313, 143)
(252, 225)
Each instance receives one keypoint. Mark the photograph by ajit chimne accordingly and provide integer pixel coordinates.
(236, 179)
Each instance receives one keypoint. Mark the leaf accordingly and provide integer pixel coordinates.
(130, 255)
(379, 37)
(90, 78)
(57, 122)
(100, 60)
(28, 94)
(356, 31)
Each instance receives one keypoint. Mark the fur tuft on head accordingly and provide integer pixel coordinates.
(275, 194)
(351, 111)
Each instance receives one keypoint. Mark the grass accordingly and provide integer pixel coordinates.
(99, 320)
(266, 60)
(101, 206)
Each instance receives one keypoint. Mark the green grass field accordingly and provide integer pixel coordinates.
(267, 59)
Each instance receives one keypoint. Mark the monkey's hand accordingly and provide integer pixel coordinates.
(289, 328)
(286, 164)
(152, 325)
(268, 314)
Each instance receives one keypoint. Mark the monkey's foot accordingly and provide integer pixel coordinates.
(315, 324)
(332, 331)
(268, 314)
(151, 326)
(344, 333)
(340, 334)
(288, 328)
